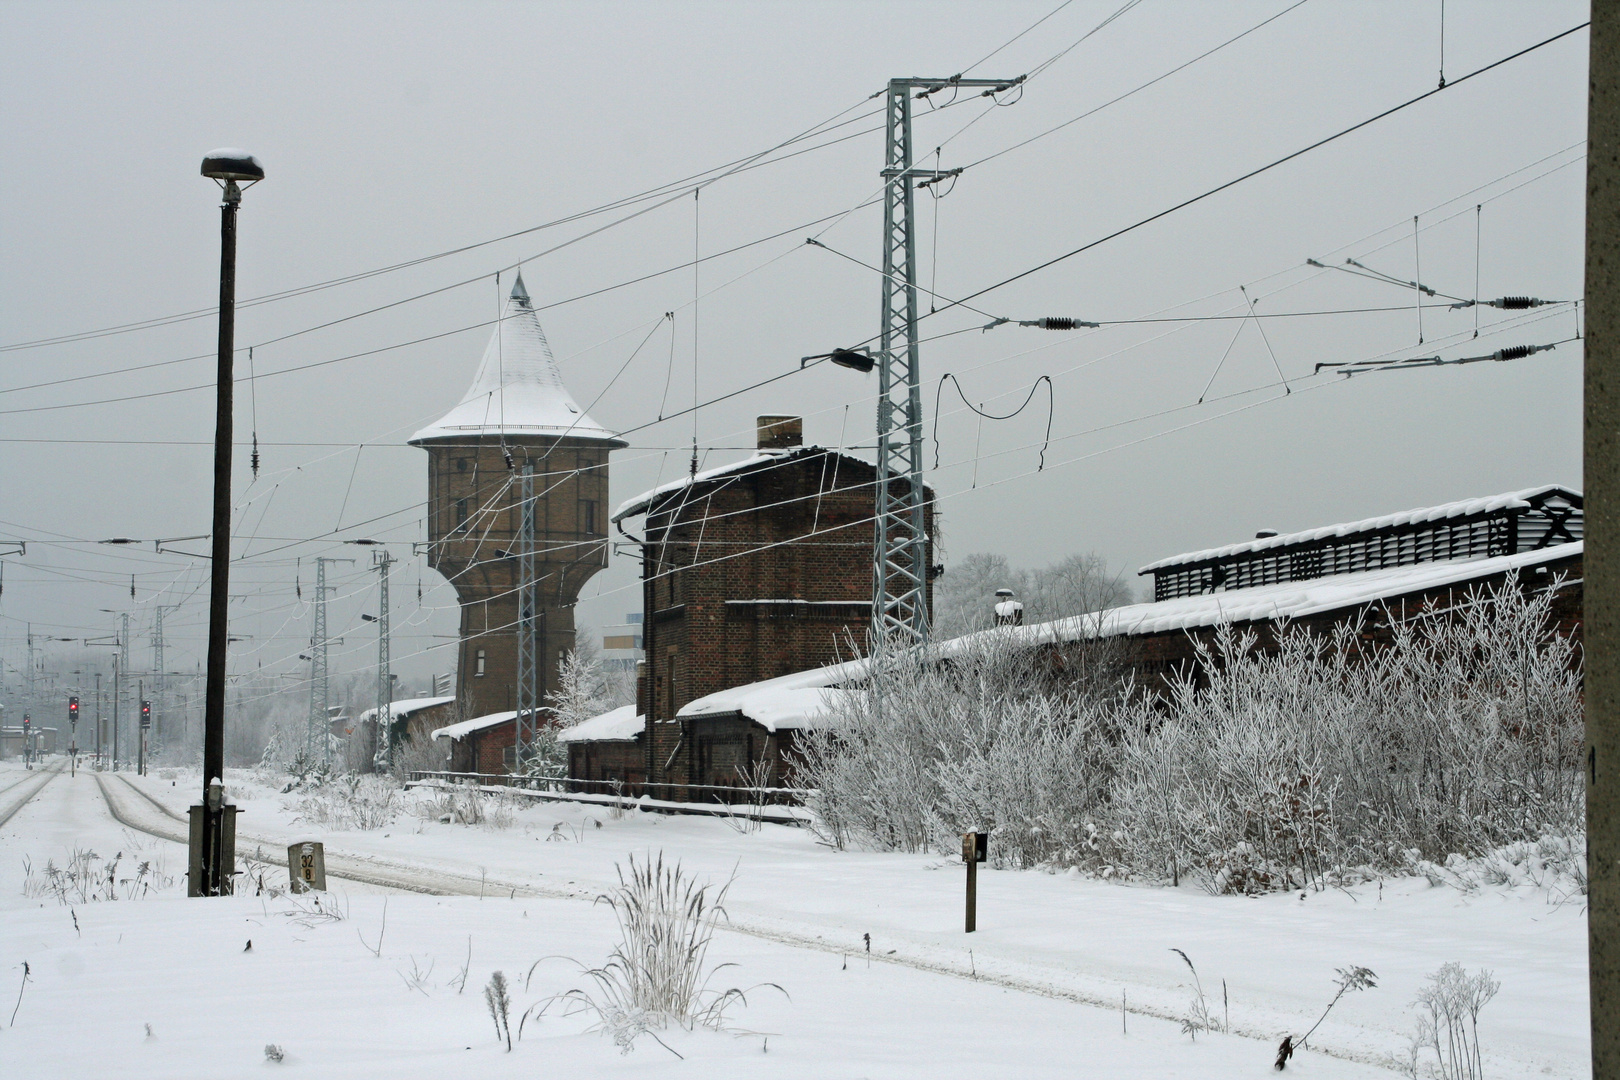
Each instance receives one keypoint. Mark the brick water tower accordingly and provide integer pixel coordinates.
(517, 414)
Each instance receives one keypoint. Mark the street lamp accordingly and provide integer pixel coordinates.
(213, 830)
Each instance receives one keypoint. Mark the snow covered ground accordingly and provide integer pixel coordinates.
(1035, 992)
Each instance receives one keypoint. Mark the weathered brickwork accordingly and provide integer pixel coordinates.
(473, 518)
(749, 576)
(607, 760)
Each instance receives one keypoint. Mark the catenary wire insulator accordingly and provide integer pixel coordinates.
(1512, 352)
(1507, 303)
(1518, 352)
(1057, 322)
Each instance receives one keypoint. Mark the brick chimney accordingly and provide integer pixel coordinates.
(779, 432)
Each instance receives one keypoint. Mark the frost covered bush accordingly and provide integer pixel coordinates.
(466, 805)
(352, 801)
(87, 878)
(988, 741)
(1448, 1009)
(658, 975)
(1260, 769)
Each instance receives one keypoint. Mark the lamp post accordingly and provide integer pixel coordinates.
(213, 824)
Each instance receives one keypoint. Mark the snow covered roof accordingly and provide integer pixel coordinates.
(1289, 599)
(641, 503)
(803, 698)
(616, 725)
(477, 723)
(804, 691)
(518, 389)
(1512, 500)
(399, 710)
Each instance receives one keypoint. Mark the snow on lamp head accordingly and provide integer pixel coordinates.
(229, 163)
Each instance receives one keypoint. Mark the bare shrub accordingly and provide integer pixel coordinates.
(1297, 762)
(467, 805)
(1198, 1016)
(87, 878)
(1448, 1009)
(352, 801)
(658, 975)
(499, 1000)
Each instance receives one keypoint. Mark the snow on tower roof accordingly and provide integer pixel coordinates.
(518, 390)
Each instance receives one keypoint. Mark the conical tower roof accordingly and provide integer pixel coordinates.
(518, 390)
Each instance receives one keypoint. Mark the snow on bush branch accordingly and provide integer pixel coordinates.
(1260, 769)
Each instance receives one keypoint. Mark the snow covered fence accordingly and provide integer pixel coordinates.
(619, 796)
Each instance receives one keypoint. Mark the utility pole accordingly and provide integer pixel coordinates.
(319, 676)
(384, 758)
(900, 555)
(1602, 559)
(28, 683)
(120, 672)
(160, 687)
(528, 681)
(212, 855)
(101, 730)
(120, 667)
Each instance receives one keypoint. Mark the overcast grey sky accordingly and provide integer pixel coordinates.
(395, 131)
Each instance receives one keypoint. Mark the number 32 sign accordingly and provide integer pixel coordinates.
(307, 862)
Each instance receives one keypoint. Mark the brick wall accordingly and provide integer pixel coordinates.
(798, 529)
(472, 514)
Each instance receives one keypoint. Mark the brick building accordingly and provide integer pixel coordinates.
(516, 415)
(1372, 571)
(749, 571)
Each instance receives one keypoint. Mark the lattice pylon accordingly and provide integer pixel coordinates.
(900, 553)
(528, 671)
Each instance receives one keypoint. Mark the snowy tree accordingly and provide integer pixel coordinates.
(580, 688)
(1275, 764)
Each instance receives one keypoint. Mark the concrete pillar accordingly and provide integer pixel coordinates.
(1602, 569)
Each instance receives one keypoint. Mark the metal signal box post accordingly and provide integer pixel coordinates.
(975, 850)
(306, 863)
(211, 868)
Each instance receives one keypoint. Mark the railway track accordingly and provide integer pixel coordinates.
(137, 810)
(29, 786)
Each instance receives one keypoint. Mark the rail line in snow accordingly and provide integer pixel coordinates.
(38, 780)
(138, 810)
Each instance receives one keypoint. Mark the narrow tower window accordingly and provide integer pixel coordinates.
(461, 513)
(478, 663)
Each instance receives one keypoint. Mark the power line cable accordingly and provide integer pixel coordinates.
(1265, 168)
